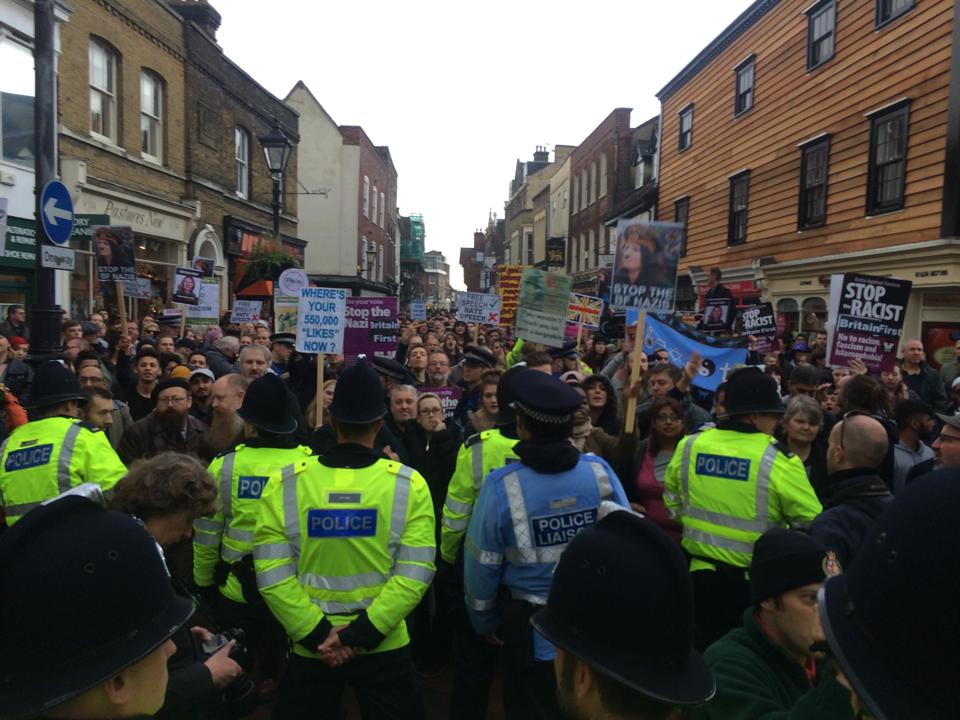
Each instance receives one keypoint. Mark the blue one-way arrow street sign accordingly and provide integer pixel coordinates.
(56, 212)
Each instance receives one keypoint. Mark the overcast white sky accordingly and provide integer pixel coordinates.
(460, 91)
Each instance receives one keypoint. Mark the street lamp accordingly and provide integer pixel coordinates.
(371, 262)
(276, 149)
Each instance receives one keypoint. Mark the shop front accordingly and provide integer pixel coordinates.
(242, 239)
(800, 289)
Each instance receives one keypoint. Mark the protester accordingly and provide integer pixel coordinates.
(864, 394)
(254, 361)
(90, 377)
(16, 323)
(417, 364)
(653, 456)
(604, 411)
(920, 377)
(221, 358)
(667, 380)
(15, 374)
(146, 371)
(916, 427)
(768, 666)
(281, 349)
(953, 405)
(475, 361)
(948, 370)
(438, 369)
(201, 387)
(801, 429)
(485, 416)
(169, 427)
(97, 409)
(946, 447)
(226, 428)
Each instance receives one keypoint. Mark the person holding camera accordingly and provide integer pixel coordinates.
(167, 493)
(223, 543)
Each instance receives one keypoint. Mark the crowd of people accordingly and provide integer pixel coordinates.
(475, 500)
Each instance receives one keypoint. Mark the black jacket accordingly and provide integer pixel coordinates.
(18, 378)
(436, 461)
(853, 500)
(219, 363)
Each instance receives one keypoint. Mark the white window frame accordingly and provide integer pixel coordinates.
(107, 95)
(152, 117)
(376, 196)
(603, 175)
(366, 196)
(383, 202)
(380, 265)
(363, 255)
(241, 156)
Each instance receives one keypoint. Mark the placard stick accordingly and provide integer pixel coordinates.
(319, 418)
(122, 309)
(579, 332)
(183, 319)
(630, 418)
(476, 334)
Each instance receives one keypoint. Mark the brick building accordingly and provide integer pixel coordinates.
(471, 260)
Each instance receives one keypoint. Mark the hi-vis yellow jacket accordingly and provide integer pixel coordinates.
(47, 457)
(242, 476)
(332, 542)
(727, 487)
(481, 453)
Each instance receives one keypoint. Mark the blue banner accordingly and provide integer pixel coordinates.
(718, 359)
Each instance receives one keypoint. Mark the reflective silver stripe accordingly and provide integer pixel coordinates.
(728, 521)
(342, 582)
(240, 535)
(455, 525)
(456, 506)
(409, 553)
(335, 608)
(667, 495)
(398, 515)
(22, 509)
(226, 486)
(272, 551)
(530, 556)
(518, 513)
(480, 605)
(419, 573)
(207, 525)
(291, 519)
(603, 481)
(484, 557)
(477, 463)
(206, 539)
(717, 541)
(685, 468)
(275, 575)
(231, 555)
(66, 455)
(529, 597)
(763, 486)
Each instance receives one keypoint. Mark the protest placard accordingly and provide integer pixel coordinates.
(717, 314)
(542, 313)
(3, 224)
(418, 310)
(204, 265)
(371, 327)
(292, 281)
(246, 311)
(761, 322)
(866, 320)
(116, 262)
(508, 277)
(645, 272)
(207, 310)
(585, 310)
(449, 398)
(321, 322)
(186, 286)
(480, 308)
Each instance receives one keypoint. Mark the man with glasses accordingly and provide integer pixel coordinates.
(169, 427)
(91, 376)
(947, 445)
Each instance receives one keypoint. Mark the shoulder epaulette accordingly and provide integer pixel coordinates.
(783, 447)
(474, 439)
(89, 426)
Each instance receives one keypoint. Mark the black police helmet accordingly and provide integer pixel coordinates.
(749, 391)
(506, 394)
(264, 407)
(54, 384)
(358, 396)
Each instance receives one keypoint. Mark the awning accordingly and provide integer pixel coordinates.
(261, 288)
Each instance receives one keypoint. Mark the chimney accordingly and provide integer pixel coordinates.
(200, 12)
(541, 154)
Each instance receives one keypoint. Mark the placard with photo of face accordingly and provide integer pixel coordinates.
(645, 270)
(186, 286)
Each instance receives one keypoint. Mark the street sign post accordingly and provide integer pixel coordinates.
(56, 212)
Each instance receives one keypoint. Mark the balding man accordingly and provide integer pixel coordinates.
(920, 377)
(855, 495)
(223, 355)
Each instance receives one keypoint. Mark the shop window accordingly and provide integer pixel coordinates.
(886, 179)
(242, 162)
(814, 315)
(813, 184)
(743, 92)
(16, 102)
(103, 90)
(789, 311)
(151, 116)
(739, 194)
(821, 28)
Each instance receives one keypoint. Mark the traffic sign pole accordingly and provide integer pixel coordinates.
(44, 314)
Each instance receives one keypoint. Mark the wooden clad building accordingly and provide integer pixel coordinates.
(812, 138)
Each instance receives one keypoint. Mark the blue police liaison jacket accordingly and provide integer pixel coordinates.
(521, 524)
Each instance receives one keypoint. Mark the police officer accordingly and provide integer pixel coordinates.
(489, 450)
(55, 452)
(344, 550)
(525, 515)
(223, 543)
(726, 486)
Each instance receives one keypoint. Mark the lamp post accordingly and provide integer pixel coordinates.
(276, 149)
(371, 263)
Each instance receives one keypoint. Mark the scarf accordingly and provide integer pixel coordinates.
(550, 456)
(580, 434)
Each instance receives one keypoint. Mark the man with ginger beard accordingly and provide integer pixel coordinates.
(169, 427)
(226, 428)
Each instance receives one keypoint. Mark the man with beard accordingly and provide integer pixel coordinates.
(201, 382)
(438, 369)
(644, 668)
(169, 427)
(226, 429)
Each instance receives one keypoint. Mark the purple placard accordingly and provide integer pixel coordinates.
(371, 327)
(449, 398)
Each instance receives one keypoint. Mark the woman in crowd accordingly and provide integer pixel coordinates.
(417, 364)
(616, 450)
(15, 374)
(603, 404)
(802, 423)
(460, 330)
(451, 345)
(596, 357)
(167, 493)
(485, 416)
(311, 412)
(433, 448)
(893, 383)
(650, 467)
